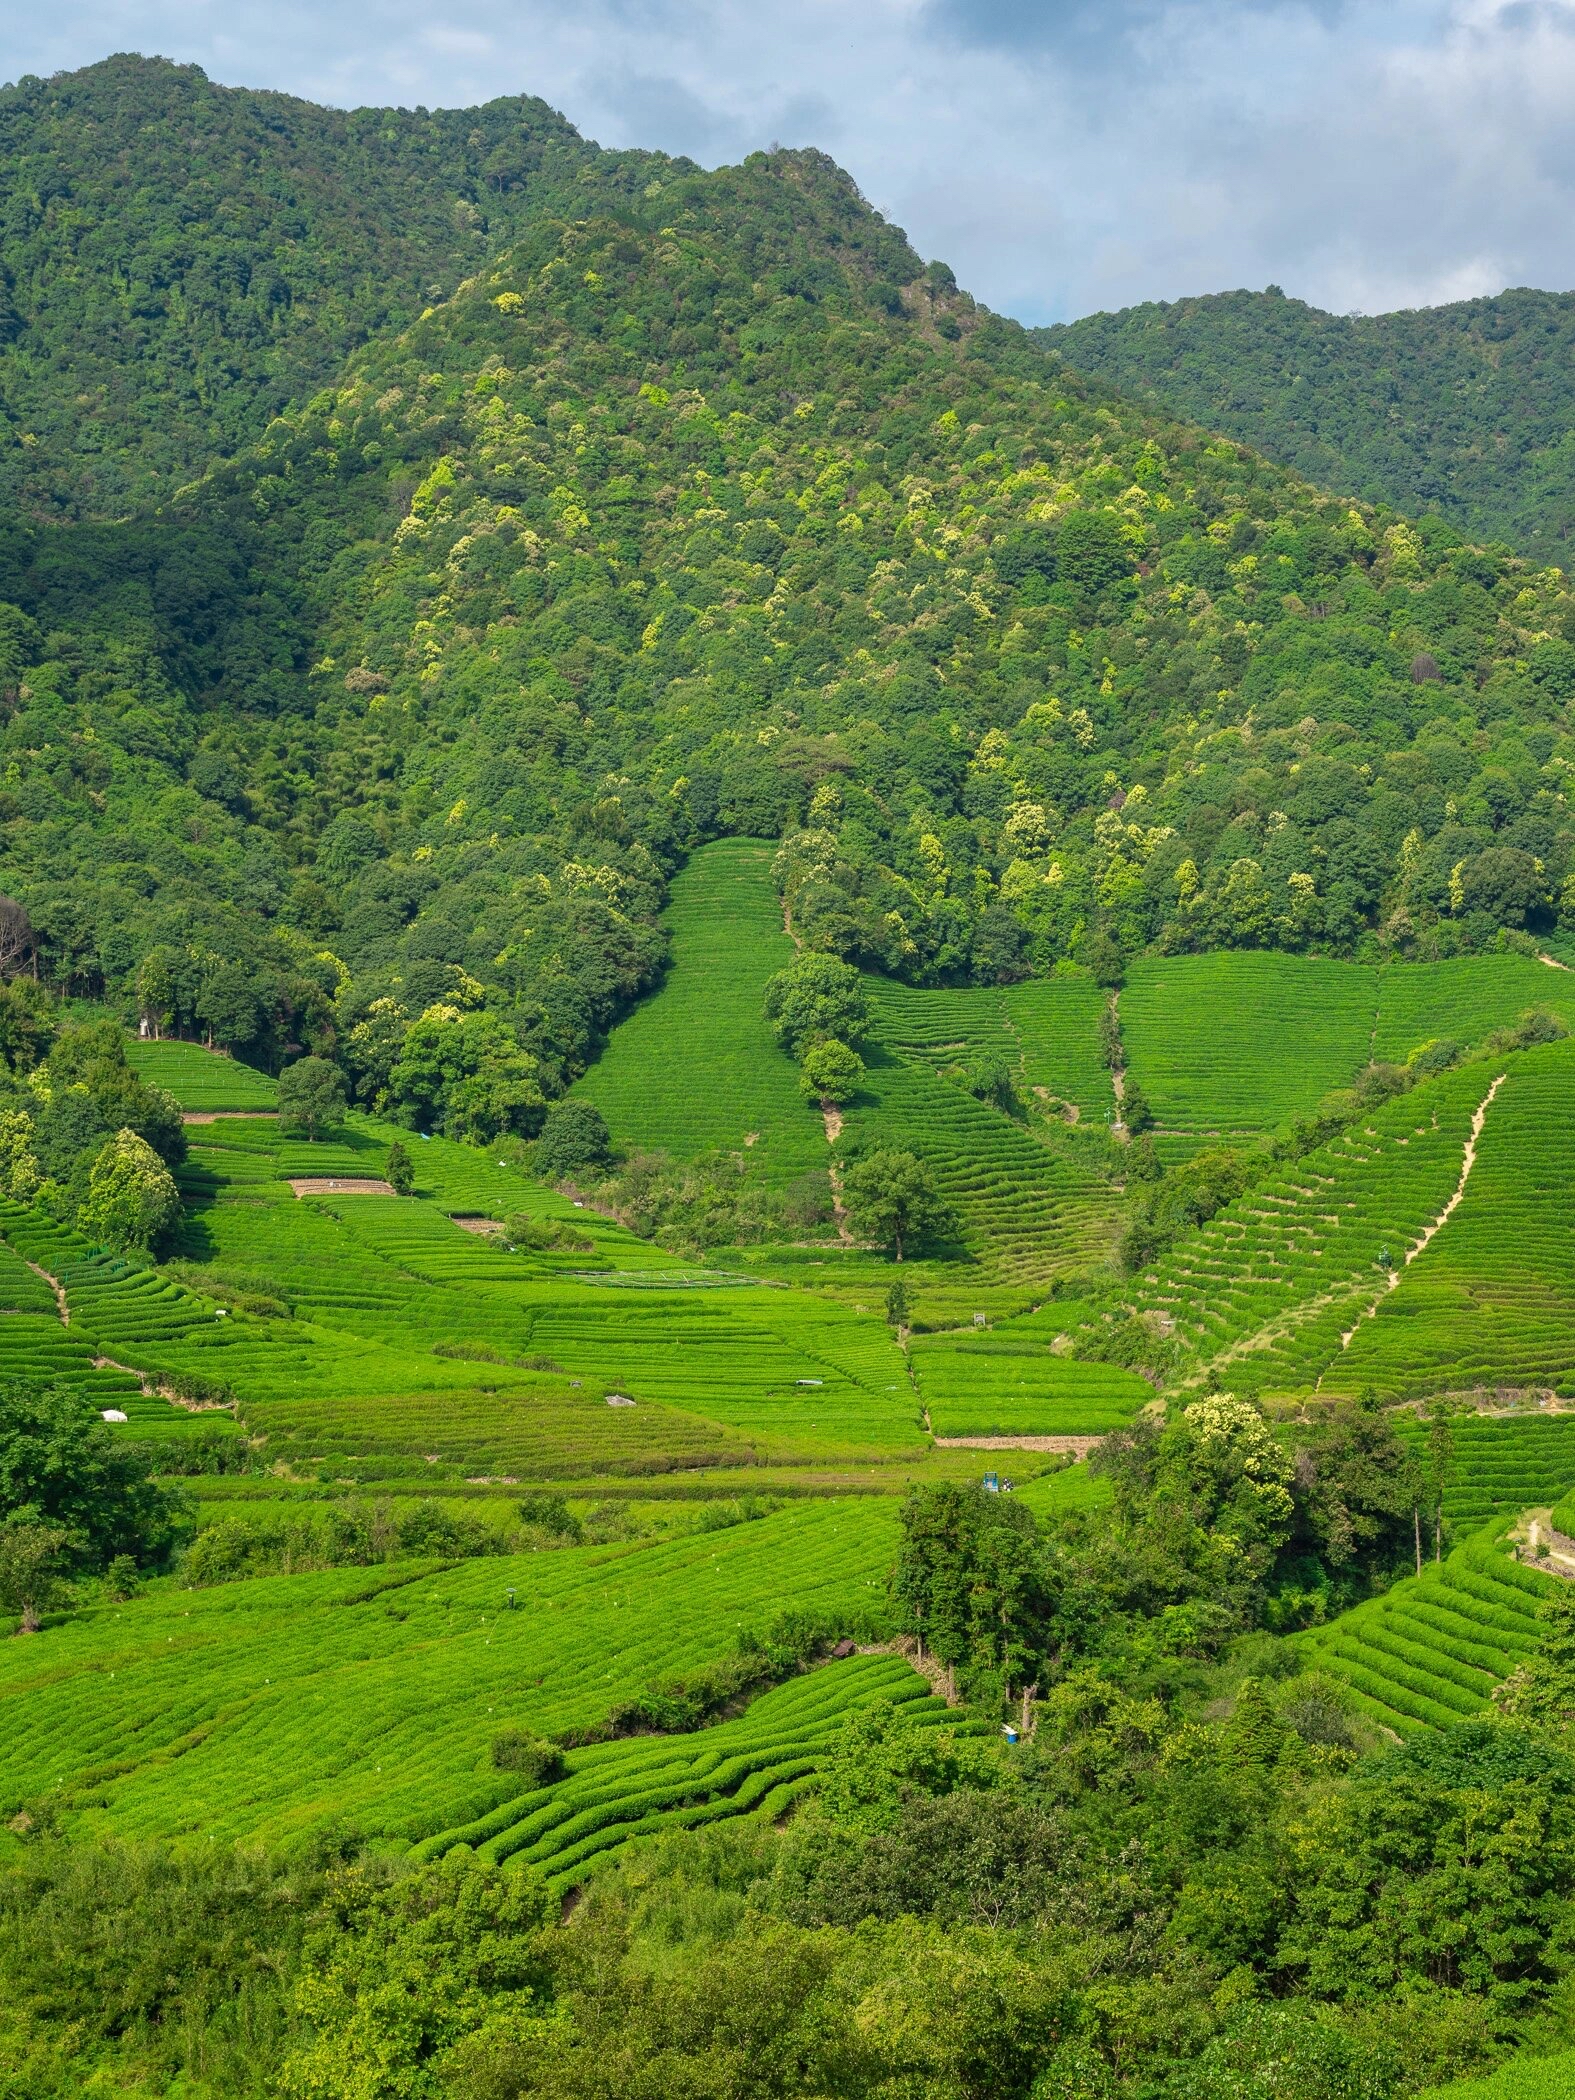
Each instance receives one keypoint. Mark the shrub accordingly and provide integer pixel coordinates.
(574, 1140)
(537, 1762)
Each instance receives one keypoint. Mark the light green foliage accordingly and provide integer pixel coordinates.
(1003, 1383)
(132, 1202)
(830, 1071)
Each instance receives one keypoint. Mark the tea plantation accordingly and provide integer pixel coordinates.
(1429, 1652)
(282, 1704)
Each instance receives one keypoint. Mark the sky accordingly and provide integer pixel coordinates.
(1064, 156)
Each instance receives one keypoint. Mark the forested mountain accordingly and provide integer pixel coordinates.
(1467, 409)
(180, 260)
(713, 511)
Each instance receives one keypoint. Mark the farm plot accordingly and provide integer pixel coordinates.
(778, 1366)
(1265, 1290)
(1244, 1041)
(369, 1698)
(203, 1081)
(622, 1793)
(1521, 2078)
(1466, 998)
(1000, 1384)
(1026, 1215)
(1429, 1651)
(1502, 1462)
(695, 1068)
(1046, 1031)
(1491, 1301)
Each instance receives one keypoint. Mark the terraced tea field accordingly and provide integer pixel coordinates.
(1264, 1291)
(1521, 2078)
(1429, 1652)
(1005, 1384)
(369, 1698)
(695, 1068)
(1491, 1301)
(1045, 1031)
(1236, 1043)
(204, 1081)
(1241, 1042)
(1502, 1463)
(624, 1793)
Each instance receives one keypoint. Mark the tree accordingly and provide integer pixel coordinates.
(1135, 1111)
(816, 995)
(16, 936)
(399, 1173)
(830, 1071)
(892, 1199)
(32, 1559)
(311, 1097)
(898, 1308)
(467, 1072)
(132, 1202)
(61, 1467)
(970, 1581)
(574, 1140)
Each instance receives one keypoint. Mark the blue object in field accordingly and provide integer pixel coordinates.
(1009, 1731)
(992, 1483)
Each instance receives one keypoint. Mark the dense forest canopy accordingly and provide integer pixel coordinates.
(181, 260)
(1467, 409)
(710, 509)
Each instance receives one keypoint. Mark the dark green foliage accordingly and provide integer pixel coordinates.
(398, 1172)
(574, 1140)
(183, 260)
(1466, 409)
(311, 1097)
(60, 1466)
(816, 996)
(892, 1200)
(538, 1763)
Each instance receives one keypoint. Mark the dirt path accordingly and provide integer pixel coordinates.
(1552, 962)
(1467, 1162)
(229, 1115)
(839, 1210)
(59, 1290)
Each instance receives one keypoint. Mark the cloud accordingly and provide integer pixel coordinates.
(1062, 155)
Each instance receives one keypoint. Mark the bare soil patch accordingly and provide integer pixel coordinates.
(341, 1185)
(230, 1115)
(469, 1222)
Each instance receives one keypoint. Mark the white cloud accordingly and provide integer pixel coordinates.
(1061, 154)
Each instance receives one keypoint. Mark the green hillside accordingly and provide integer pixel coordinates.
(183, 260)
(696, 1069)
(1465, 409)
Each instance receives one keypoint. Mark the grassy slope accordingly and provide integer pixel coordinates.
(369, 1697)
(204, 1081)
(695, 1068)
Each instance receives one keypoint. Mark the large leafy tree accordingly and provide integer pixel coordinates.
(892, 1199)
(132, 1202)
(61, 1467)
